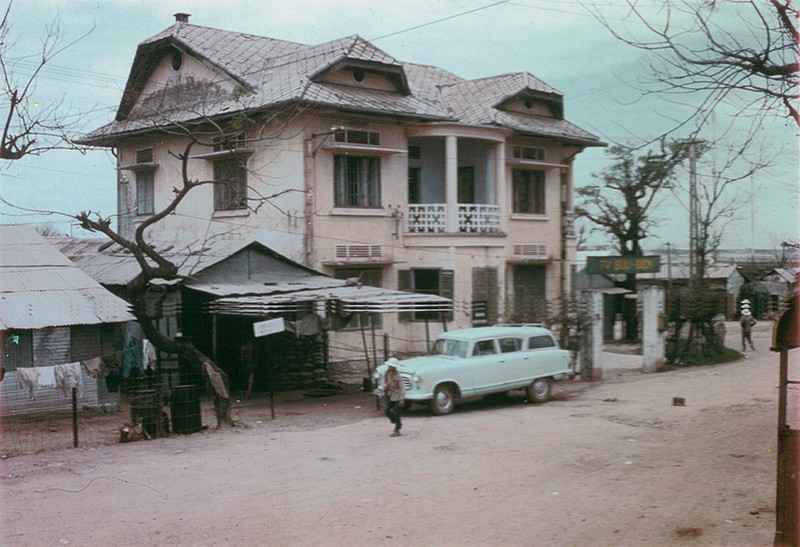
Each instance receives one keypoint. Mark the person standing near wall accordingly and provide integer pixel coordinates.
(395, 393)
(248, 359)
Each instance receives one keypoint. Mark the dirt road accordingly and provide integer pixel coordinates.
(611, 463)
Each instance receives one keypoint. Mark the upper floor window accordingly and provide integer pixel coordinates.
(415, 184)
(145, 192)
(357, 136)
(357, 181)
(228, 142)
(230, 185)
(528, 188)
(534, 153)
(144, 155)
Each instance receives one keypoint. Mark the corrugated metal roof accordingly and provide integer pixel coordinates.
(110, 264)
(345, 299)
(40, 287)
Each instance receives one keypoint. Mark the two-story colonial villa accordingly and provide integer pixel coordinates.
(354, 163)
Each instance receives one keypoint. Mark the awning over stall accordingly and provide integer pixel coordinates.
(343, 300)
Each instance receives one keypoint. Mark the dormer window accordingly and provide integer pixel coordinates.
(359, 75)
(177, 61)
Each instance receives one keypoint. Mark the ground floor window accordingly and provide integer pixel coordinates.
(366, 276)
(530, 293)
(484, 296)
(427, 281)
(17, 349)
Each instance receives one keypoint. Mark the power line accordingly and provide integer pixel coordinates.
(429, 23)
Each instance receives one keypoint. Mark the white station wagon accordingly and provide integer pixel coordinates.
(471, 363)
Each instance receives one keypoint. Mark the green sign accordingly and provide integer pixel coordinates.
(623, 264)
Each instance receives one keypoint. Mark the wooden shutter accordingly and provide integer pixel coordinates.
(484, 291)
(404, 283)
(447, 289)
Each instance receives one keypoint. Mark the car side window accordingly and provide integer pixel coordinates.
(484, 347)
(537, 342)
(507, 345)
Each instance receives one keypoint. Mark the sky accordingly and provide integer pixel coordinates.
(558, 41)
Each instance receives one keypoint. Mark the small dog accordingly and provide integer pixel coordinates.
(129, 433)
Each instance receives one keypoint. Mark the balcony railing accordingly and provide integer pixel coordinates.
(478, 218)
(431, 218)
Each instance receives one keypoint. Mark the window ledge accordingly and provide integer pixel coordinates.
(535, 163)
(232, 213)
(222, 154)
(529, 216)
(366, 212)
(139, 167)
(364, 149)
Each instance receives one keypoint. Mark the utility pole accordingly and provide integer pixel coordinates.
(669, 262)
(694, 236)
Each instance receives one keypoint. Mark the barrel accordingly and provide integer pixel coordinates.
(185, 405)
(146, 404)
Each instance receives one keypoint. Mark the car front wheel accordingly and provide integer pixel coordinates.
(539, 390)
(443, 401)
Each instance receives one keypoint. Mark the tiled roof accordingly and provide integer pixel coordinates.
(280, 72)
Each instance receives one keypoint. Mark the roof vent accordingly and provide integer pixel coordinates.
(182, 17)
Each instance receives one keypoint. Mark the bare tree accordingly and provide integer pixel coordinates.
(31, 127)
(622, 206)
(737, 51)
(155, 265)
(186, 110)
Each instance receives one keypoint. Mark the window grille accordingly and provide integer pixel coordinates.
(357, 136)
(145, 155)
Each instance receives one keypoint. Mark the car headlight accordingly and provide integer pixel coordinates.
(415, 378)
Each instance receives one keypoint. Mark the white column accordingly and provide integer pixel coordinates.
(597, 334)
(500, 184)
(652, 337)
(451, 184)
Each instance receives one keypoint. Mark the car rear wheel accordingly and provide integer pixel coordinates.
(443, 400)
(539, 390)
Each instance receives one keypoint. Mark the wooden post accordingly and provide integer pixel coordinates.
(74, 418)
(385, 346)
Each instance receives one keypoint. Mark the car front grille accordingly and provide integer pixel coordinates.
(406, 382)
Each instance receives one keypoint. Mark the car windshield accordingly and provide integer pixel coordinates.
(451, 348)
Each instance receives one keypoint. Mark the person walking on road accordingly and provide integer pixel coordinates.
(395, 393)
(747, 323)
